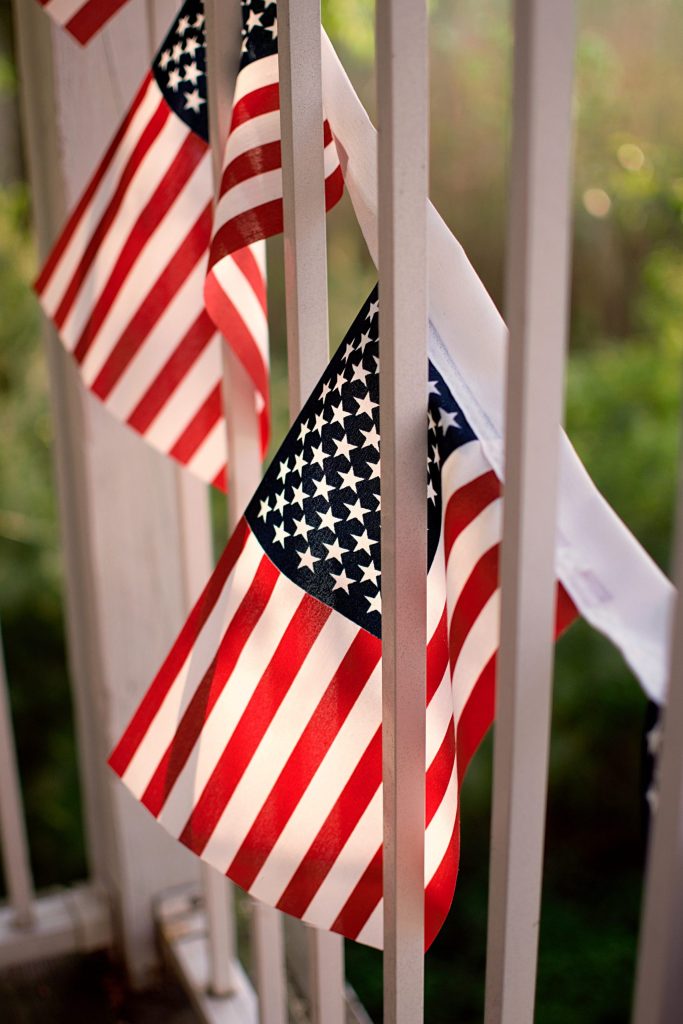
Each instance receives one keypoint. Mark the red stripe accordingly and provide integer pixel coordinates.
(171, 374)
(252, 270)
(199, 427)
(251, 163)
(334, 188)
(437, 655)
(478, 713)
(481, 584)
(338, 826)
(227, 319)
(216, 677)
(323, 726)
(153, 699)
(439, 773)
(291, 652)
(220, 481)
(439, 891)
(366, 895)
(91, 17)
(178, 173)
(253, 225)
(263, 221)
(143, 144)
(75, 218)
(259, 101)
(466, 504)
(259, 160)
(161, 292)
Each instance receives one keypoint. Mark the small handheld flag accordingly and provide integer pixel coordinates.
(258, 744)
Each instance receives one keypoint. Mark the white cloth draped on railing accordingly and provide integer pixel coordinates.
(613, 582)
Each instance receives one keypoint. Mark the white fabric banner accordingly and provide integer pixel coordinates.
(613, 582)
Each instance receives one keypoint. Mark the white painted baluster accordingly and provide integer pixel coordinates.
(13, 839)
(116, 494)
(402, 83)
(223, 26)
(537, 313)
(303, 180)
(659, 979)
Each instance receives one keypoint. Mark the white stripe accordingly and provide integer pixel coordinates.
(262, 188)
(438, 719)
(138, 194)
(149, 360)
(231, 704)
(372, 932)
(63, 272)
(440, 829)
(163, 726)
(160, 248)
(257, 131)
(240, 293)
(322, 793)
(470, 545)
(63, 10)
(282, 735)
(192, 390)
(212, 454)
(255, 76)
(347, 870)
(480, 645)
(436, 589)
(463, 466)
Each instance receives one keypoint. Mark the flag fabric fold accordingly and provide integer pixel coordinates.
(126, 283)
(82, 18)
(259, 743)
(611, 579)
(250, 195)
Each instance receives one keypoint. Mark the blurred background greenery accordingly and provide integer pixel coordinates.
(623, 393)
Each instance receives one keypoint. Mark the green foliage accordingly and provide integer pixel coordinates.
(30, 603)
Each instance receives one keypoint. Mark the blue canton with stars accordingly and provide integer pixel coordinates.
(317, 511)
(180, 68)
(259, 30)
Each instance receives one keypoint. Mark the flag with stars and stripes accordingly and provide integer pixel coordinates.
(258, 744)
(82, 18)
(250, 197)
(124, 283)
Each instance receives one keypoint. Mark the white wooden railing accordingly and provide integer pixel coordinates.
(137, 541)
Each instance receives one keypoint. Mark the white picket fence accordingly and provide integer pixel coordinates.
(137, 542)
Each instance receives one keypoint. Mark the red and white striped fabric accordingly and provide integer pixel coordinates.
(82, 18)
(124, 284)
(250, 195)
(258, 744)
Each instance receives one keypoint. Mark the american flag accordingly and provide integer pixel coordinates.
(124, 284)
(250, 196)
(258, 744)
(82, 18)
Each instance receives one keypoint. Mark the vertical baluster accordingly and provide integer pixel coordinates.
(303, 180)
(659, 981)
(402, 82)
(13, 839)
(537, 310)
(223, 25)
